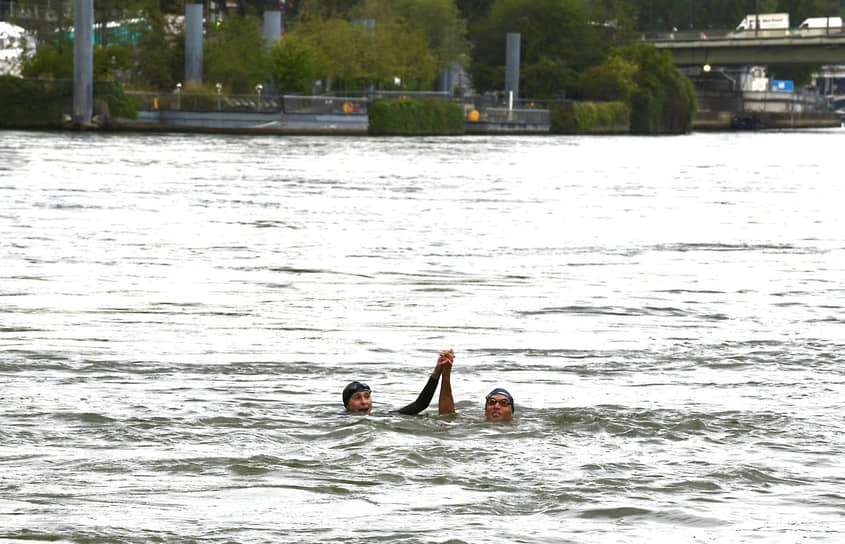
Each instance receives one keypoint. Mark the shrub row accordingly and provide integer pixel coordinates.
(589, 118)
(26, 103)
(407, 116)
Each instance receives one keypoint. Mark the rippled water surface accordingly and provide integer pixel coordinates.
(179, 313)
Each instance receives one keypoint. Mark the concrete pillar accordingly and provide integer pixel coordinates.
(512, 64)
(83, 61)
(272, 27)
(193, 44)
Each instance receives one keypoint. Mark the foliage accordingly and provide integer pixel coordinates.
(295, 64)
(159, 56)
(799, 74)
(235, 54)
(355, 53)
(25, 103)
(559, 39)
(662, 99)
(613, 79)
(119, 104)
(51, 60)
(442, 25)
(589, 117)
(414, 117)
(42, 103)
(56, 61)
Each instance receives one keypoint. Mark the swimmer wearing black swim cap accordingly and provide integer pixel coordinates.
(357, 396)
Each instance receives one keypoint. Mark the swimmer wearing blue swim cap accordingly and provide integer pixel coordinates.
(499, 405)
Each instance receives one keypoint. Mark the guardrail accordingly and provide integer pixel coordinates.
(489, 108)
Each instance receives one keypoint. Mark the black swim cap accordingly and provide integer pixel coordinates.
(351, 389)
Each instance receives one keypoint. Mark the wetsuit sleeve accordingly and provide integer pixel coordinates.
(423, 400)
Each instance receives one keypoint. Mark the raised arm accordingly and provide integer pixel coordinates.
(425, 396)
(446, 404)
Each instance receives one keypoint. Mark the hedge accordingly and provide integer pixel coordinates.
(407, 116)
(589, 118)
(27, 103)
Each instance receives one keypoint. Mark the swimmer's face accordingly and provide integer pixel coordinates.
(360, 402)
(498, 408)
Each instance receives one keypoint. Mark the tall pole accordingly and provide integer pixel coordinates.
(512, 64)
(193, 43)
(272, 29)
(83, 62)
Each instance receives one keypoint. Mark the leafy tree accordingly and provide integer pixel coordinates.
(159, 54)
(611, 80)
(473, 10)
(355, 54)
(295, 64)
(662, 99)
(558, 40)
(339, 43)
(236, 55)
(441, 23)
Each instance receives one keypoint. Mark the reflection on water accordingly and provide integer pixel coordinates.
(178, 316)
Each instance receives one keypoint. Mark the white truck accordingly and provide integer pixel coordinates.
(823, 24)
(768, 21)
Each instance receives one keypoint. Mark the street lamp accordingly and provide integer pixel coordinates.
(258, 89)
(219, 89)
(178, 92)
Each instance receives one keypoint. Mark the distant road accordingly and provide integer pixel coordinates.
(750, 47)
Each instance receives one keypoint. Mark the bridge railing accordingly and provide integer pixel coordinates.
(721, 34)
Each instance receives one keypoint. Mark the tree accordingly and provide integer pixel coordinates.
(159, 54)
(295, 64)
(662, 99)
(558, 40)
(442, 25)
(236, 55)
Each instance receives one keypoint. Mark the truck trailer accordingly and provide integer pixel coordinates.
(768, 21)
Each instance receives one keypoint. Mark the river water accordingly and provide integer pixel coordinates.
(179, 314)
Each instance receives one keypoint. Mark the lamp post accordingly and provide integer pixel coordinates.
(258, 89)
(178, 92)
(219, 89)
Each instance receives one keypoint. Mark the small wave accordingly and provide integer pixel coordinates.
(615, 513)
(85, 417)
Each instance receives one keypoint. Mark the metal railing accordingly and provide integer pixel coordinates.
(324, 104)
(490, 108)
(206, 102)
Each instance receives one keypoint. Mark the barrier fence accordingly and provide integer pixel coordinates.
(490, 109)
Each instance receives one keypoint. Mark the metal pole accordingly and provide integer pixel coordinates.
(272, 27)
(83, 61)
(193, 44)
(512, 64)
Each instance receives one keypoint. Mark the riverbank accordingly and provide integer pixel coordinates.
(357, 124)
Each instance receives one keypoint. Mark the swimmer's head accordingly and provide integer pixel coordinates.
(499, 405)
(356, 397)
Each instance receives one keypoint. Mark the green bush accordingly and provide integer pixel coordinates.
(407, 116)
(36, 104)
(660, 97)
(28, 103)
(589, 118)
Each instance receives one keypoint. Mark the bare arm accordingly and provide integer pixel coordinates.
(446, 404)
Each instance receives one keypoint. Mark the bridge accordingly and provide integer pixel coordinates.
(750, 48)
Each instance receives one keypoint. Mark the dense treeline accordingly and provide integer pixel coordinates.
(581, 49)
(350, 45)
